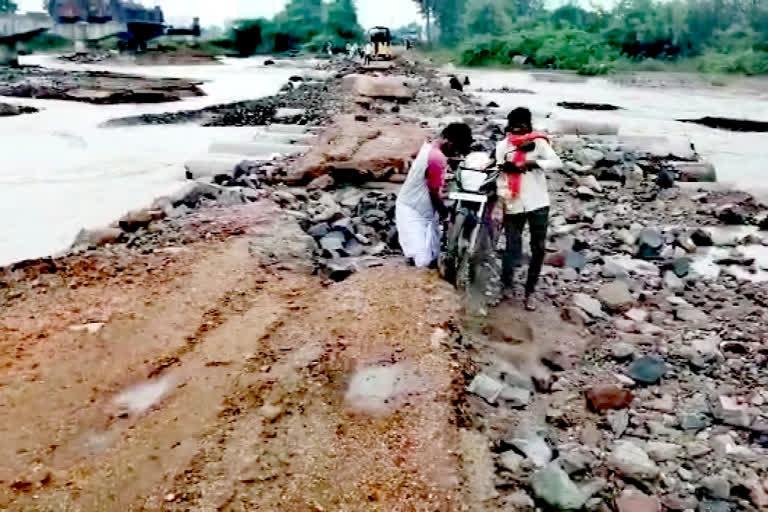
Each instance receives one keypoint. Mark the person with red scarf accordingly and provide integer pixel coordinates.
(525, 157)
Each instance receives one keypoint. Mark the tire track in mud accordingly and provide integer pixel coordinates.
(233, 302)
(288, 438)
(96, 462)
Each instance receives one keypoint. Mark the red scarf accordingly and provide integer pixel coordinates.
(515, 179)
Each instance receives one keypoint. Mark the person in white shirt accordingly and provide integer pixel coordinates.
(524, 157)
(420, 205)
(368, 53)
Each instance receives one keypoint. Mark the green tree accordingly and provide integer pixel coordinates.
(428, 9)
(571, 16)
(450, 19)
(248, 36)
(301, 19)
(523, 8)
(342, 20)
(487, 17)
(7, 6)
(299, 22)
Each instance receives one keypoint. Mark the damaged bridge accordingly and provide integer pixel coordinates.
(15, 28)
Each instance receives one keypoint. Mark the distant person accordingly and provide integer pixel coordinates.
(348, 49)
(455, 84)
(419, 205)
(368, 56)
(524, 157)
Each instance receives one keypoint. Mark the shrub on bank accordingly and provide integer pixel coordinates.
(566, 50)
(588, 54)
(46, 42)
(748, 62)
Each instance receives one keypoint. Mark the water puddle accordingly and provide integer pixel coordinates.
(140, 398)
(757, 272)
(95, 443)
(380, 389)
(729, 236)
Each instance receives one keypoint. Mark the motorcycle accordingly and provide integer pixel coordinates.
(468, 226)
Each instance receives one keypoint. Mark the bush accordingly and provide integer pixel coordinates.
(749, 62)
(45, 42)
(597, 68)
(545, 48)
(645, 35)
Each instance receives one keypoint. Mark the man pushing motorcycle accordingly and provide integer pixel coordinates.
(523, 158)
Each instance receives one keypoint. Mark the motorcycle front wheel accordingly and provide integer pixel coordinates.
(451, 255)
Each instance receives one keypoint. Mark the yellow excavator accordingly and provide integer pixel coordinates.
(381, 43)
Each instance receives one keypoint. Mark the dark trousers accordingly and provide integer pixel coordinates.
(538, 220)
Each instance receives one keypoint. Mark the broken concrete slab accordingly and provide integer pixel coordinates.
(583, 127)
(209, 167)
(257, 148)
(287, 128)
(384, 87)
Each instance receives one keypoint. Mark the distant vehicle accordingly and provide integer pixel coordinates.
(381, 41)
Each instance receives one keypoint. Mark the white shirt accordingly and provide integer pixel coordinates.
(533, 186)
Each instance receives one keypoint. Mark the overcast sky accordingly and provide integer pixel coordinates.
(393, 13)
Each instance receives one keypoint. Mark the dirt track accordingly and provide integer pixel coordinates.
(237, 380)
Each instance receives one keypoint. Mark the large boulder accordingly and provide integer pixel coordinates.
(385, 87)
(359, 151)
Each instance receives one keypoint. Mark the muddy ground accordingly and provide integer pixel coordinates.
(216, 383)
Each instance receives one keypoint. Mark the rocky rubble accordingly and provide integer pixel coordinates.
(316, 93)
(669, 281)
